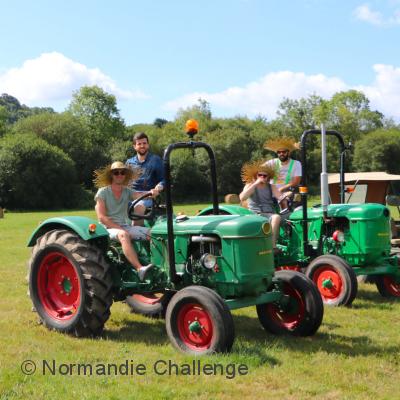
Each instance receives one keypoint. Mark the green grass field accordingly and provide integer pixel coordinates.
(355, 354)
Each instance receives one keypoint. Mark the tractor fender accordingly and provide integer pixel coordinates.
(79, 225)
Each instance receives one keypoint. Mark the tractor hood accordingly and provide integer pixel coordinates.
(355, 211)
(222, 225)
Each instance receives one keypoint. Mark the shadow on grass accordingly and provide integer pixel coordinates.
(254, 342)
(151, 332)
(331, 343)
(367, 299)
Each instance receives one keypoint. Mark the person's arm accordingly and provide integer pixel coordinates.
(295, 181)
(249, 189)
(135, 195)
(102, 215)
(159, 169)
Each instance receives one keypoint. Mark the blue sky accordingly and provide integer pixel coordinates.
(243, 56)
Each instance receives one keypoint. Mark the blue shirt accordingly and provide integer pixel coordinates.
(152, 172)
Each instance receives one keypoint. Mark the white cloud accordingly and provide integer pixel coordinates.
(263, 96)
(53, 77)
(384, 92)
(364, 13)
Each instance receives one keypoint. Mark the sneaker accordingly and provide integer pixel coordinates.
(143, 271)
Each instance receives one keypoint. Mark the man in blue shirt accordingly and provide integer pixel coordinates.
(152, 177)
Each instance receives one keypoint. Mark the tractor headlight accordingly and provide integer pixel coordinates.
(266, 228)
(338, 236)
(208, 261)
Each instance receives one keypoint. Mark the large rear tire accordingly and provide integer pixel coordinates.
(70, 284)
(335, 280)
(387, 286)
(152, 305)
(302, 314)
(198, 321)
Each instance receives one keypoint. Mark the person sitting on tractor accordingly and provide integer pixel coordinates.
(112, 201)
(152, 177)
(259, 193)
(287, 171)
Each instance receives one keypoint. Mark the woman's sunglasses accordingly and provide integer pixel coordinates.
(263, 175)
(118, 172)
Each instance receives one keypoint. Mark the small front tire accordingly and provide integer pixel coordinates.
(198, 322)
(334, 278)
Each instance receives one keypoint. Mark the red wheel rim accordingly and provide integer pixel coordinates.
(149, 298)
(291, 314)
(329, 283)
(58, 286)
(391, 286)
(190, 314)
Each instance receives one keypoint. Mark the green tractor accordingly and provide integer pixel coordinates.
(334, 243)
(205, 266)
(340, 241)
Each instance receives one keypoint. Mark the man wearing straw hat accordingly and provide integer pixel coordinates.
(287, 171)
(112, 201)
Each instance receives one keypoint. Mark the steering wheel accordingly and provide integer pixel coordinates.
(131, 208)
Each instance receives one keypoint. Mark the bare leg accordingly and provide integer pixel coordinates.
(275, 222)
(128, 250)
(139, 209)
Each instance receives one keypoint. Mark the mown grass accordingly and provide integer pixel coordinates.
(355, 354)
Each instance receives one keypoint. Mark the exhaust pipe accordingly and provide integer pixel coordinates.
(324, 174)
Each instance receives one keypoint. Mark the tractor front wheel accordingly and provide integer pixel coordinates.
(198, 321)
(387, 286)
(70, 284)
(335, 280)
(300, 312)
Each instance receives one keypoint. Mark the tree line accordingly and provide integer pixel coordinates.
(47, 158)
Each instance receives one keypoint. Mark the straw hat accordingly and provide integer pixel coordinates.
(251, 169)
(281, 143)
(103, 176)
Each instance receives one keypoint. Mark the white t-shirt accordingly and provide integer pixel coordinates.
(280, 179)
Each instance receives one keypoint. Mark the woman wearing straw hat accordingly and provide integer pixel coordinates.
(112, 201)
(259, 194)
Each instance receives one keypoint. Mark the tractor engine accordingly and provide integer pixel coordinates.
(203, 254)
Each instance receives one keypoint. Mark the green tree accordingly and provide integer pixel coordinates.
(16, 110)
(36, 175)
(160, 122)
(201, 112)
(350, 113)
(296, 116)
(3, 120)
(99, 111)
(378, 151)
(70, 134)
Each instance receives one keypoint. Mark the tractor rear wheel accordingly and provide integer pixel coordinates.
(387, 286)
(334, 278)
(198, 321)
(302, 312)
(152, 305)
(70, 284)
